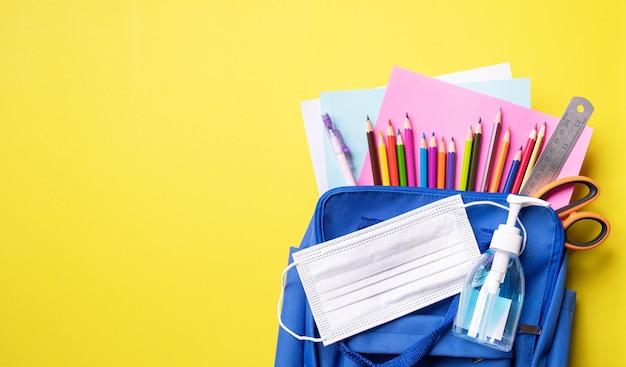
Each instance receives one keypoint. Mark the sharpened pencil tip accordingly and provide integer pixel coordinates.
(406, 114)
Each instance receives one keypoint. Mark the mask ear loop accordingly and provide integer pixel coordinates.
(524, 237)
(283, 277)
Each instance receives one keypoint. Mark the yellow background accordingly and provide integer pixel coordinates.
(154, 168)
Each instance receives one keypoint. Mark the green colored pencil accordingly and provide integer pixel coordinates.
(401, 161)
(473, 168)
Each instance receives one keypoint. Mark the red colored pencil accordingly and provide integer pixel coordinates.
(528, 150)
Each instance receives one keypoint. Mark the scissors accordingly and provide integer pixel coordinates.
(569, 214)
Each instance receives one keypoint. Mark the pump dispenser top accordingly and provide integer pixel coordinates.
(493, 293)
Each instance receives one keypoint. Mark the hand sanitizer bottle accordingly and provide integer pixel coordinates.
(493, 293)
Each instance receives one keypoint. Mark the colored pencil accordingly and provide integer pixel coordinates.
(392, 156)
(432, 162)
(536, 151)
(373, 150)
(512, 171)
(523, 164)
(402, 178)
(467, 156)
(441, 165)
(491, 153)
(409, 149)
(382, 159)
(498, 168)
(473, 168)
(423, 162)
(451, 165)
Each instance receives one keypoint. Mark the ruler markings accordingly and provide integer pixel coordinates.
(559, 146)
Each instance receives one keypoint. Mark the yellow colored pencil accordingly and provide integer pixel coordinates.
(382, 157)
(467, 155)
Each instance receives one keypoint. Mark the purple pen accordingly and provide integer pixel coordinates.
(333, 131)
(340, 149)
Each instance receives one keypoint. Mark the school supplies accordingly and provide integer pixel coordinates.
(371, 145)
(398, 341)
(546, 318)
(409, 147)
(447, 110)
(508, 184)
(402, 169)
(383, 161)
(441, 165)
(432, 161)
(349, 106)
(570, 214)
(476, 147)
(451, 166)
(392, 156)
(560, 145)
(423, 162)
(467, 156)
(341, 150)
(491, 152)
(536, 151)
(498, 168)
(528, 150)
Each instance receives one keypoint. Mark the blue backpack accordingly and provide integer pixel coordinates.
(423, 338)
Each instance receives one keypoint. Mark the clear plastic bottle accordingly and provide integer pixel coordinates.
(493, 293)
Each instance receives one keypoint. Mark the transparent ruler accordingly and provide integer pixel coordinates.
(559, 146)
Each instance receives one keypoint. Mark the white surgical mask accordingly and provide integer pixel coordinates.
(385, 271)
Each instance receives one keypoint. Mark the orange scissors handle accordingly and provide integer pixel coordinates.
(605, 229)
(594, 191)
(569, 214)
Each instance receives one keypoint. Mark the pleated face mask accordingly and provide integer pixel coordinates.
(385, 271)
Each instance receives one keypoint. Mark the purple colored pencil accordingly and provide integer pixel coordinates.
(451, 165)
(432, 162)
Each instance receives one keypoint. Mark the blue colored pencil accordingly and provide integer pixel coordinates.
(513, 171)
(423, 162)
